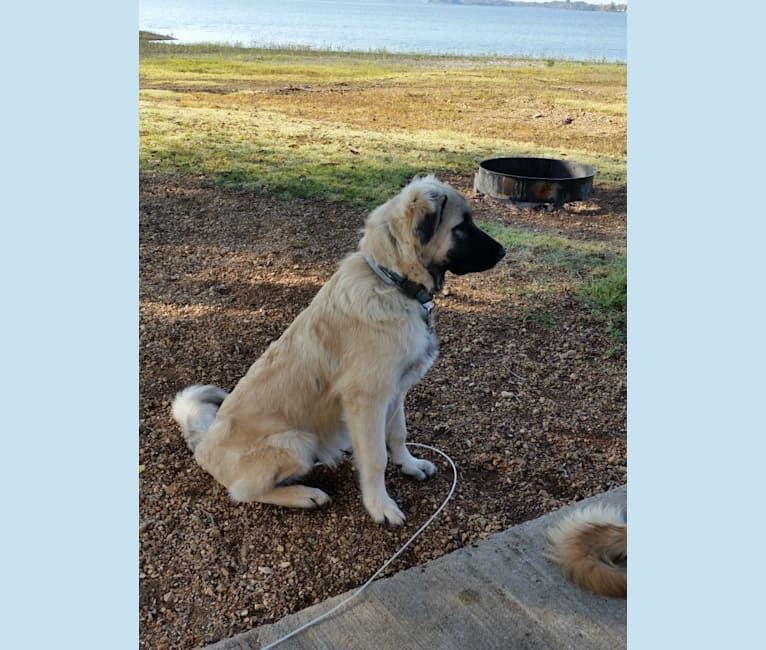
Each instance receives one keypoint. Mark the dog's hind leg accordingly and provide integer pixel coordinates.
(366, 423)
(263, 474)
(291, 496)
(396, 435)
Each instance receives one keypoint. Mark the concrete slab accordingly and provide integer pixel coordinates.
(501, 594)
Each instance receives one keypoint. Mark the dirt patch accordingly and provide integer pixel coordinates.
(531, 408)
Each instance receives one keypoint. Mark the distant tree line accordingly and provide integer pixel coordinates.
(553, 4)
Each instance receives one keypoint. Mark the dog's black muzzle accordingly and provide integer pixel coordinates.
(475, 251)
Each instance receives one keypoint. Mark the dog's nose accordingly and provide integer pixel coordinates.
(500, 253)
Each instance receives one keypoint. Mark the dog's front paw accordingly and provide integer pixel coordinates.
(384, 510)
(418, 469)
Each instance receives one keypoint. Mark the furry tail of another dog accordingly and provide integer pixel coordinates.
(591, 546)
(195, 408)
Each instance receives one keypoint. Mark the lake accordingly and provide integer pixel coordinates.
(393, 25)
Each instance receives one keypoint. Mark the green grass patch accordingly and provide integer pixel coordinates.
(597, 273)
(609, 295)
(560, 256)
(538, 316)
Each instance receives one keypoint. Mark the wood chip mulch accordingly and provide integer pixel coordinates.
(531, 409)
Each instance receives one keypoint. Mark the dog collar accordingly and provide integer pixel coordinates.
(409, 288)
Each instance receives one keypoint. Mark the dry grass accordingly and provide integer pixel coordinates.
(352, 126)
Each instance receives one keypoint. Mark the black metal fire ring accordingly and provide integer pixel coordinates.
(535, 180)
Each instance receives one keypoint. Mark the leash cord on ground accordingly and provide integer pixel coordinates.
(387, 562)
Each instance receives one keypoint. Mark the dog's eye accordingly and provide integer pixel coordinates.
(464, 223)
(460, 231)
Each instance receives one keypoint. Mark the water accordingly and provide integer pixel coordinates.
(393, 25)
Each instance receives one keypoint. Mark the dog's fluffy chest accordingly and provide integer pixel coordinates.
(417, 366)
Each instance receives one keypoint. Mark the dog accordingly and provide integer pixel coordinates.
(340, 372)
(590, 544)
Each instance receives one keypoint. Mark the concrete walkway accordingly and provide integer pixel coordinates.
(501, 594)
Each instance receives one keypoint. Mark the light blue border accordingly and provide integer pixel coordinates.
(70, 295)
(695, 325)
(696, 329)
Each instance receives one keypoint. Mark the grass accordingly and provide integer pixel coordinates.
(541, 317)
(609, 296)
(596, 272)
(560, 256)
(297, 122)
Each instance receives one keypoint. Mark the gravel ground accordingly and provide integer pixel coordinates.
(532, 411)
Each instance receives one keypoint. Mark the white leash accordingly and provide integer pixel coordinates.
(387, 562)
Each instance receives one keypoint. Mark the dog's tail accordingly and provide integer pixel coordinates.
(591, 546)
(194, 408)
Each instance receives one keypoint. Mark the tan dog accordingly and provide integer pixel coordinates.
(591, 546)
(340, 372)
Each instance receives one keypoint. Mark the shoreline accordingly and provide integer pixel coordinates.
(155, 41)
(153, 36)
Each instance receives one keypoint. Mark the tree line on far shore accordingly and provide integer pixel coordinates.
(552, 4)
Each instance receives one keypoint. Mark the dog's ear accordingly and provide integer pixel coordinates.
(428, 224)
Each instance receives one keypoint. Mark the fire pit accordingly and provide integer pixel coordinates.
(534, 180)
